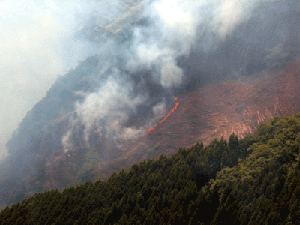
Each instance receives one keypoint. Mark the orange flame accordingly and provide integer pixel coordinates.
(152, 128)
(126, 147)
(176, 105)
(56, 159)
(172, 110)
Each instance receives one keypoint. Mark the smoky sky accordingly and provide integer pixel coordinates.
(148, 51)
(158, 49)
(37, 44)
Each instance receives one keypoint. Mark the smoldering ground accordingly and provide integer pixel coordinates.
(148, 52)
(161, 49)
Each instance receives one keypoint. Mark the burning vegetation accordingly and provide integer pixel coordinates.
(216, 111)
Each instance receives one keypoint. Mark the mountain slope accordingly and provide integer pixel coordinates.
(201, 78)
(215, 111)
(195, 185)
(204, 114)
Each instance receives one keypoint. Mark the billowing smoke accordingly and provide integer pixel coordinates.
(139, 56)
(153, 50)
(111, 103)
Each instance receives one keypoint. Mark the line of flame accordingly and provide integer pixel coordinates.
(152, 128)
(172, 110)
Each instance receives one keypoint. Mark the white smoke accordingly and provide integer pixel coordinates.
(159, 110)
(172, 33)
(175, 26)
(171, 74)
(112, 102)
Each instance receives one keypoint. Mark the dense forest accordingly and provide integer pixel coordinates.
(254, 180)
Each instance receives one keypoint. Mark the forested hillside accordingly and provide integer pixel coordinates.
(198, 185)
(159, 76)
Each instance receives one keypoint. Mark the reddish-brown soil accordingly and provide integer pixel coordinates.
(203, 115)
(214, 111)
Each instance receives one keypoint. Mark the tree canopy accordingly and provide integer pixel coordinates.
(198, 185)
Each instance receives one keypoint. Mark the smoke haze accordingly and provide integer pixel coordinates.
(214, 39)
(140, 55)
(37, 43)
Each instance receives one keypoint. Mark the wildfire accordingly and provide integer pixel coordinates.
(172, 110)
(126, 147)
(152, 128)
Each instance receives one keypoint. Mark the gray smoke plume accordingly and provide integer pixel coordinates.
(165, 46)
(142, 54)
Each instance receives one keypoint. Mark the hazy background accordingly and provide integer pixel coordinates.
(37, 44)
